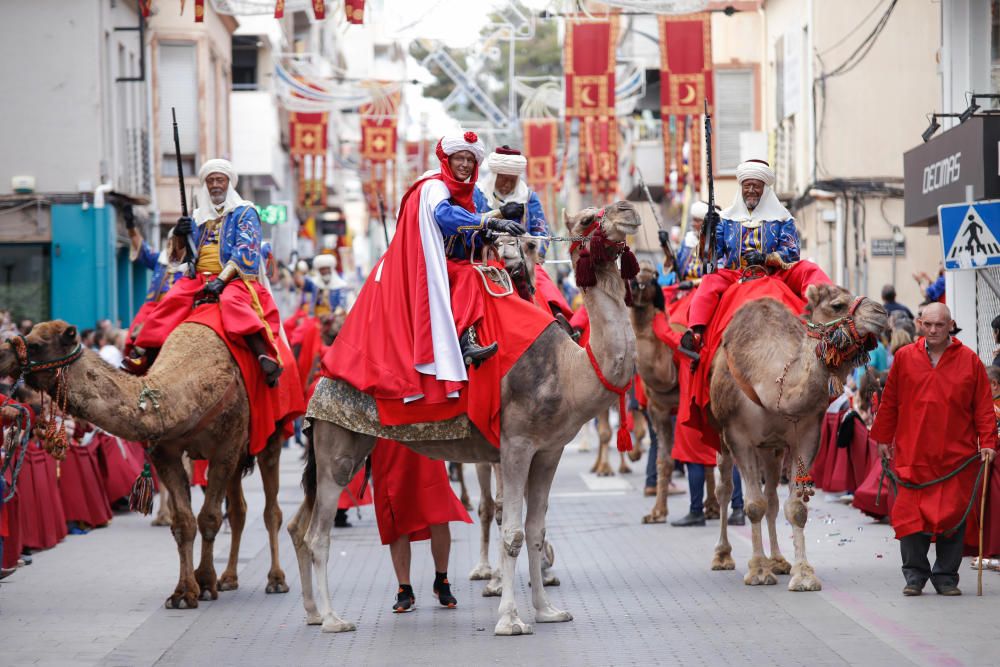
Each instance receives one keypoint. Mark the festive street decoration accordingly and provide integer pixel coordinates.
(379, 120)
(354, 10)
(541, 143)
(685, 85)
(308, 152)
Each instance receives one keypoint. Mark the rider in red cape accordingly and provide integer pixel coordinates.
(423, 311)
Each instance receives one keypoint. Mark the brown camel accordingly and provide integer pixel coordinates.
(660, 381)
(547, 396)
(203, 411)
(769, 400)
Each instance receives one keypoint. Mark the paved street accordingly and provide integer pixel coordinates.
(640, 595)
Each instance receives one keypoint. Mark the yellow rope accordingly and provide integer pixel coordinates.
(260, 313)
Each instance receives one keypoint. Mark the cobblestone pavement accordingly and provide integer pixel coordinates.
(640, 595)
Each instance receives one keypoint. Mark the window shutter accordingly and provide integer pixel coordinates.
(177, 76)
(734, 103)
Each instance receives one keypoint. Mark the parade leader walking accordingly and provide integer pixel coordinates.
(936, 422)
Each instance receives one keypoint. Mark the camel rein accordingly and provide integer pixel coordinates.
(624, 439)
(27, 366)
(895, 482)
(594, 248)
(22, 428)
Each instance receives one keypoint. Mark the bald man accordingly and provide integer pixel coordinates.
(936, 415)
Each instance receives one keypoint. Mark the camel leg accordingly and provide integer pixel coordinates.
(209, 522)
(173, 477)
(623, 466)
(772, 475)
(797, 512)
(269, 462)
(486, 509)
(723, 558)
(297, 528)
(463, 490)
(759, 567)
(164, 517)
(494, 587)
(602, 468)
(515, 461)
(339, 454)
(237, 505)
(711, 502)
(548, 560)
(664, 428)
(543, 469)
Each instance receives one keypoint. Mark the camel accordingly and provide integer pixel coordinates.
(176, 410)
(768, 400)
(660, 380)
(546, 397)
(602, 465)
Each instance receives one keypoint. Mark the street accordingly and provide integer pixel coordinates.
(639, 595)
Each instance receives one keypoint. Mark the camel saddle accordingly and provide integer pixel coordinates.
(339, 403)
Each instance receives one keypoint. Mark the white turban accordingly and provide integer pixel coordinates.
(468, 141)
(699, 210)
(508, 161)
(757, 169)
(206, 210)
(324, 262)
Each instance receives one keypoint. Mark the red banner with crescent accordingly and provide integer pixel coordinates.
(355, 11)
(589, 63)
(541, 141)
(308, 145)
(599, 156)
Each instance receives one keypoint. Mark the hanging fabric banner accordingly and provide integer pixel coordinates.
(378, 147)
(319, 9)
(279, 9)
(355, 11)
(308, 139)
(145, 7)
(685, 84)
(199, 11)
(541, 142)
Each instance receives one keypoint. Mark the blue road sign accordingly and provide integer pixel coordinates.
(969, 234)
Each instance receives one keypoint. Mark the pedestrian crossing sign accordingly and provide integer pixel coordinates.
(969, 235)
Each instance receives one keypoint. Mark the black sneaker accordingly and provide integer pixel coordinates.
(737, 518)
(442, 591)
(692, 519)
(340, 519)
(405, 601)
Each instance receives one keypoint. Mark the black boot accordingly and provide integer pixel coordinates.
(737, 517)
(472, 352)
(405, 600)
(442, 590)
(340, 519)
(692, 519)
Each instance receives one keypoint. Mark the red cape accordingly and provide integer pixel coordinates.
(412, 493)
(548, 295)
(83, 495)
(121, 462)
(936, 417)
(388, 333)
(42, 517)
(845, 453)
(694, 408)
(268, 406)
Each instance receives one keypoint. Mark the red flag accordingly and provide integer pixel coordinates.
(685, 63)
(279, 9)
(355, 11)
(319, 9)
(589, 55)
(541, 141)
(145, 6)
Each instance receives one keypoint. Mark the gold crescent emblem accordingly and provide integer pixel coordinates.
(585, 97)
(688, 94)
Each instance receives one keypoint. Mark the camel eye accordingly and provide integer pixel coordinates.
(532, 246)
(838, 305)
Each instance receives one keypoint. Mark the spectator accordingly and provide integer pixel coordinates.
(106, 347)
(890, 303)
(936, 414)
(932, 290)
(26, 326)
(995, 324)
(87, 339)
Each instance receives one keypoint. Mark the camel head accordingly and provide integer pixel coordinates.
(847, 327)
(519, 255)
(48, 347)
(600, 240)
(646, 289)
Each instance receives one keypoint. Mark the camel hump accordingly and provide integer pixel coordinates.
(339, 403)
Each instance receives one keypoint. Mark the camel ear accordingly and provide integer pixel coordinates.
(813, 295)
(69, 335)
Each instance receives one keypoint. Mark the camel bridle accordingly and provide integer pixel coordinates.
(839, 339)
(596, 249)
(27, 366)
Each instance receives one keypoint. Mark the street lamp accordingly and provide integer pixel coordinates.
(935, 125)
(973, 107)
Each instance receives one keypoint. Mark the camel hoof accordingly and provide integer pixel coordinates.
(550, 580)
(712, 514)
(804, 579)
(338, 625)
(276, 587)
(208, 595)
(759, 576)
(510, 625)
(493, 589)
(624, 469)
(227, 584)
(481, 572)
(314, 619)
(655, 516)
(181, 601)
(780, 566)
(548, 555)
(723, 562)
(161, 521)
(552, 615)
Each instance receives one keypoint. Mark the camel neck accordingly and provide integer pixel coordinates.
(611, 337)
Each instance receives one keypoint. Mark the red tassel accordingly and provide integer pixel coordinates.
(624, 438)
(630, 265)
(585, 276)
(140, 498)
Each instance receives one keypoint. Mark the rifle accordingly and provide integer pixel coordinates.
(191, 253)
(712, 218)
(381, 213)
(667, 248)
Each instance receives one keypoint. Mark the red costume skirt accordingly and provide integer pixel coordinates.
(81, 487)
(412, 493)
(351, 496)
(801, 275)
(845, 454)
(40, 505)
(121, 462)
(239, 315)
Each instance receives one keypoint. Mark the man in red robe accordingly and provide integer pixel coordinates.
(936, 413)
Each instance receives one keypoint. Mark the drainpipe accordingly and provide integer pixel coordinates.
(103, 253)
(99, 192)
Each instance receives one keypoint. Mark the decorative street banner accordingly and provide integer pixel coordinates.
(355, 11)
(589, 63)
(541, 141)
(319, 9)
(308, 153)
(685, 84)
(379, 120)
(279, 9)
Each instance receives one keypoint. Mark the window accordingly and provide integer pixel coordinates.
(245, 62)
(734, 113)
(25, 280)
(177, 82)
